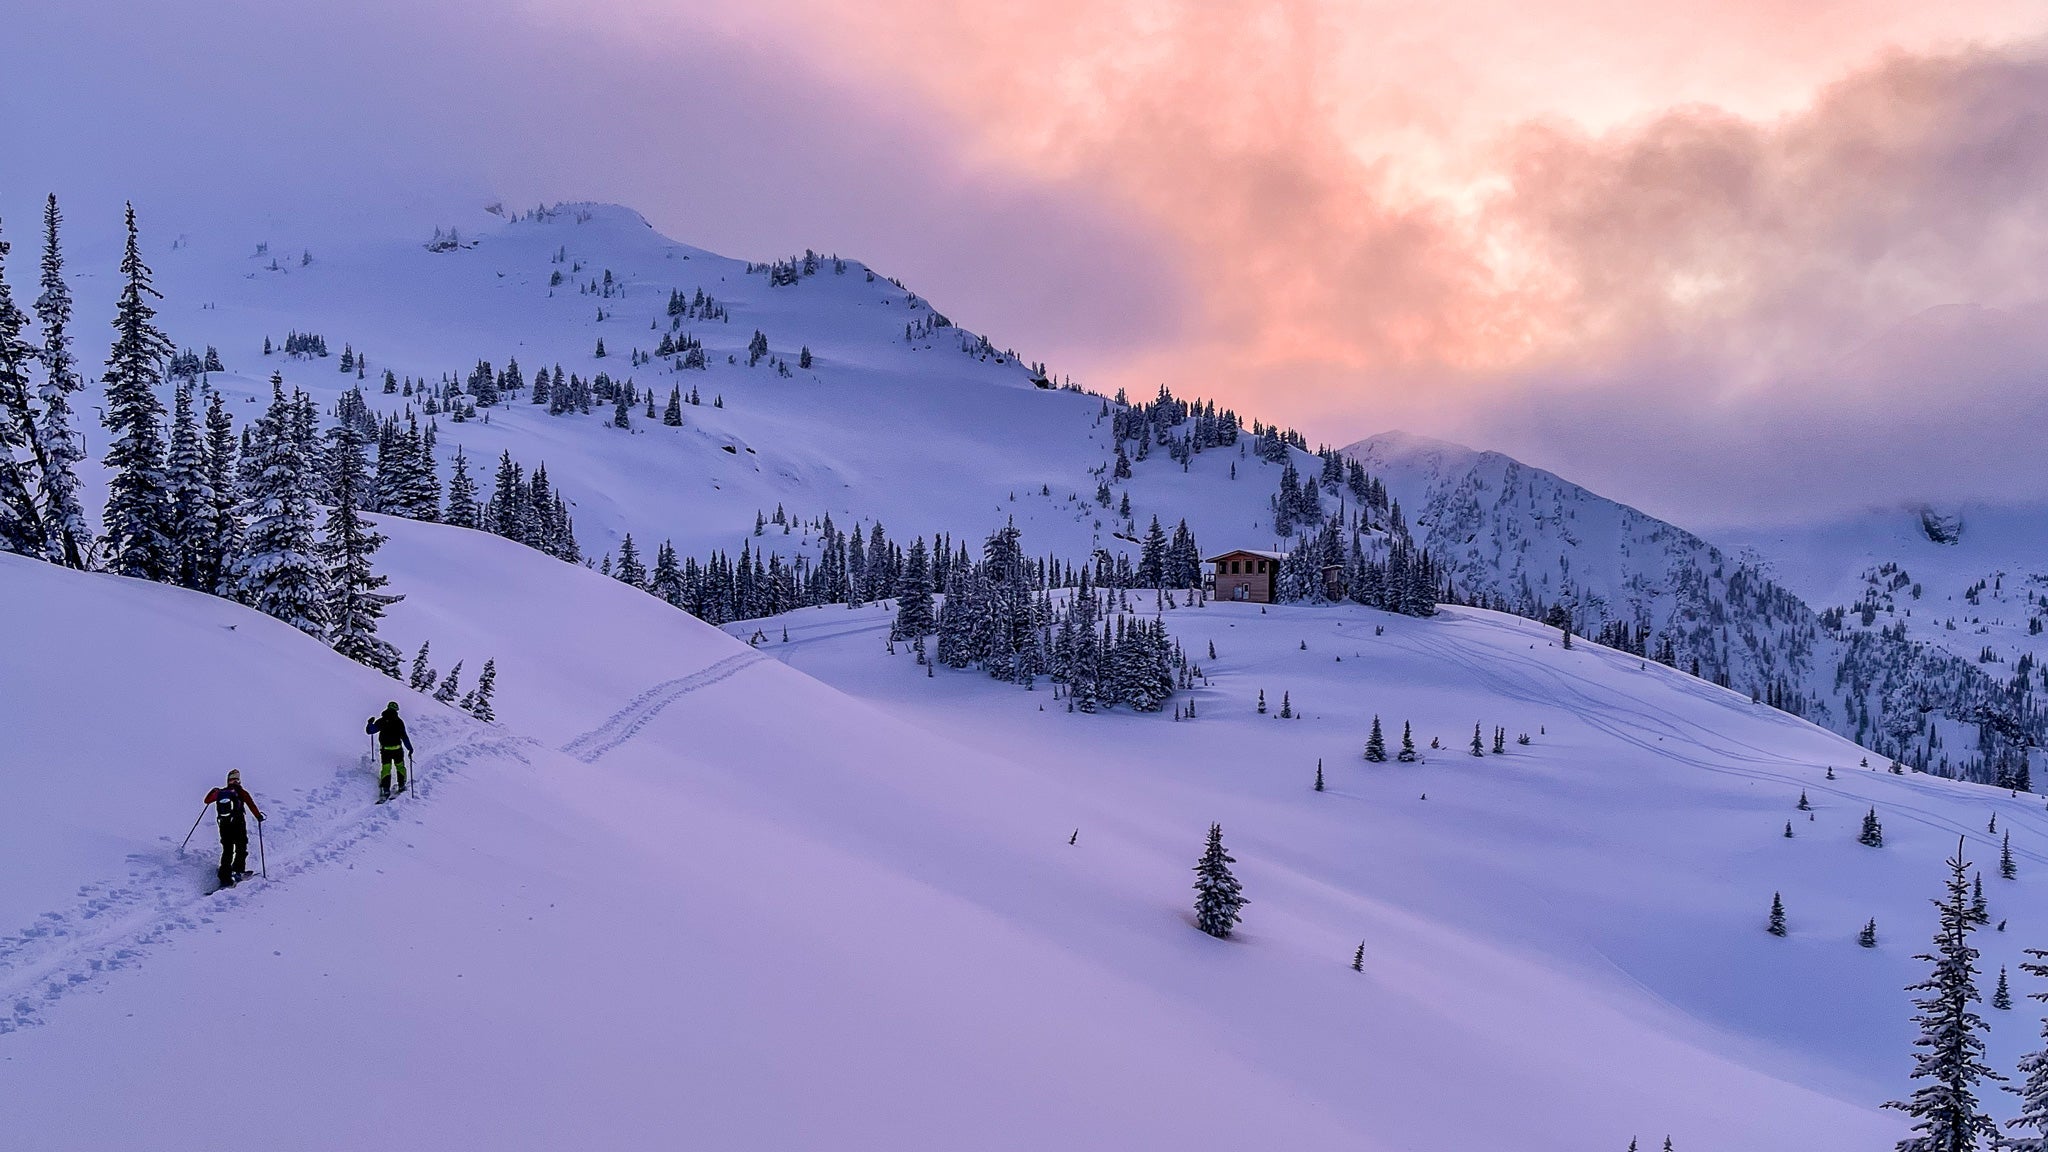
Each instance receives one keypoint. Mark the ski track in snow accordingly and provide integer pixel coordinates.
(1628, 721)
(116, 924)
(623, 724)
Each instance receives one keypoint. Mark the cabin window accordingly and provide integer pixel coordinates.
(1262, 565)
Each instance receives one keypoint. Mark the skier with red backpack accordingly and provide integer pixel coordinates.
(230, 801)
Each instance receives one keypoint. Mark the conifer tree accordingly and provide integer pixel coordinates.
(1286, 706)
(1980, 911)
(356, 604)
(1376, 744)
(462, 506)
(278, 571)
(478, 704)
(2001, 996)
(1872, 835)
(1218, 897)
(1776, 925)
(629, 569)
(195, 529)
(667, 580)
(913, 594)
(451, 685)
(1358, 958)
(1152, 557)
(57, 431)
(672, 416)
(21, 519)
(2006, 867)
(422, 677)
(1868, 937)
(1478, 747)
(1407, 754)
(2033, 1069)
(138, 513)
(1804, 806)
(1951, 1042)
(1319, 774)
(221, 452)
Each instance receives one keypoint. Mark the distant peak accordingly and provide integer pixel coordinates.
(1403, 447)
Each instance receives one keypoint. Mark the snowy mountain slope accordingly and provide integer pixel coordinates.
(1981, 572)
(867, 928)
(1628, 852)
(939, 433)
(726, 927)
(1527, 540)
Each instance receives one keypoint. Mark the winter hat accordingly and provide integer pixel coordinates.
(391, 707)
(234, 775)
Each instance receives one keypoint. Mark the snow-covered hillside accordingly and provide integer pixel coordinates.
(903, 419)
(936, 431)
(686, 891)
(1968, 579)
(1536, 544)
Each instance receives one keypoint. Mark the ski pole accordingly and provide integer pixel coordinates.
(262, 858)
(194, 828)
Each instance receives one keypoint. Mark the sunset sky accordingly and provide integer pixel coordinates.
(1731, 260)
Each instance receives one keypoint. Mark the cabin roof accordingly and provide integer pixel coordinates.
(1246, 552)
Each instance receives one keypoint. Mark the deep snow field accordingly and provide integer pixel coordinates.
(688, 893)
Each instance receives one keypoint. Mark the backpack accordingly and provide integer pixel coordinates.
(227, 805)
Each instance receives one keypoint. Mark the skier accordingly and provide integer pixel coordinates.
(228, 802)
(393, 746)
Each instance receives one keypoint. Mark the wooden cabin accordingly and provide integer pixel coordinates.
(1245, 574)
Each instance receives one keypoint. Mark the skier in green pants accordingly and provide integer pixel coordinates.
(393, 746)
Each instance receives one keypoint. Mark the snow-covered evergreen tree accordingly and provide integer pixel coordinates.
(2033, 1086)
(221, 458)
(1376, 744)
(279, 569)
(195, 523)
(421, 678)
(355, 604)
(57, 427)
(1218, 897)
(1776, 924)
(450, 686)
(478, 703)
(21, 519)
(913, 594)
(1872, 835)
(1951, 1042)
(462, 506)
(630, 569)
(138, 513)
(667, 581)
(1152, 557)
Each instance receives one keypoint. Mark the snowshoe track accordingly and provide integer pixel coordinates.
(117, 923)
(626, 722)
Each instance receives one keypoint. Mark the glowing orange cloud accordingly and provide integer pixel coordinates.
(1359, 184)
